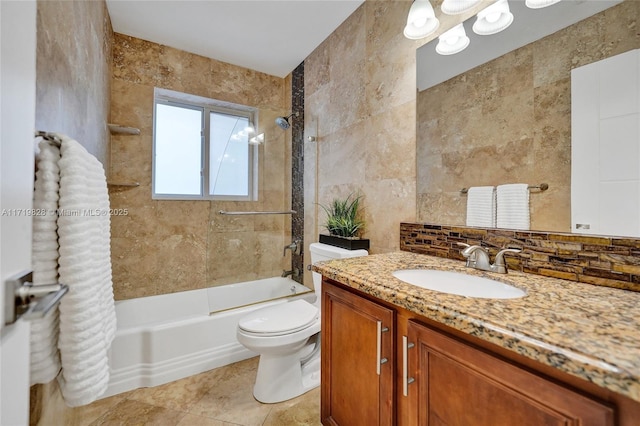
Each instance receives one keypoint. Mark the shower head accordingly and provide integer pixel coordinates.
(283, 122)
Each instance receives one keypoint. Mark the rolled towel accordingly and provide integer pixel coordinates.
(481, 206)
(513, 206)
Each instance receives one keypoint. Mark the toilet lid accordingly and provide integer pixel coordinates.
(280, 319)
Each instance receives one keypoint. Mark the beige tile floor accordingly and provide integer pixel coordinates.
(219, 397)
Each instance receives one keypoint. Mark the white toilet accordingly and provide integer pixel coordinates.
(287, 337)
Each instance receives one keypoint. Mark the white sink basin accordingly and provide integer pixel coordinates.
(459, 283)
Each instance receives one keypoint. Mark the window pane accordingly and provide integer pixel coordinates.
(229, 155)
(178, 150)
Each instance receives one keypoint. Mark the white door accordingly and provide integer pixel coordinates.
(17, 120)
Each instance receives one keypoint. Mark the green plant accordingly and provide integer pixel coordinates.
(343, 217)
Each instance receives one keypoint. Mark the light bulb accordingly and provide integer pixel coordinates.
(451, 41)
(493, 17)
(420, 21)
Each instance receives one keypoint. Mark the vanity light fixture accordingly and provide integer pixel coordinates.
(539, 4)
(421, 21)
(493, 19)
(453, 41)
(456, 7)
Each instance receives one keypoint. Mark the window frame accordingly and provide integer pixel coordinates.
(206, 106)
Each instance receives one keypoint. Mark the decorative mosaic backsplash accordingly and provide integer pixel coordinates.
(604, 261)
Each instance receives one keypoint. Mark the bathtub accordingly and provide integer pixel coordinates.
(164, 338)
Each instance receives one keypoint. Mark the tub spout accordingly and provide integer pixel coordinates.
(294, 272)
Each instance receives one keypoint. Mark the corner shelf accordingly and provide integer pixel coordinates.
(124, 184)
(116, 129)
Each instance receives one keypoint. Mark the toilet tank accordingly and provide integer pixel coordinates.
(320, 252)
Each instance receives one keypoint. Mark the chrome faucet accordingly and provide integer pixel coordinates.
(478, 258)
(295, 247)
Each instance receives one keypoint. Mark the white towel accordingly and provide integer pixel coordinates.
(481, 206)
(87, 312)
(45, 358)
(513, 206)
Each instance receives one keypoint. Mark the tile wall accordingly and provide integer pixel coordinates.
(360, 91)
(607, 261)
(165, 246)
(73, 70)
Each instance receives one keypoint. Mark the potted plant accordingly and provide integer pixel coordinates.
(344, 224)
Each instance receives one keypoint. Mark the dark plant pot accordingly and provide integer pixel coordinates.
(345, 242)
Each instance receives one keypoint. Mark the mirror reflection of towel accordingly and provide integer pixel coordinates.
(513, 206)
(481, 206)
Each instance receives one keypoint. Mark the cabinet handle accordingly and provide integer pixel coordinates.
(379, 359)
(406, 380)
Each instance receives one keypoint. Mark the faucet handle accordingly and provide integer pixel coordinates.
(465, 249)
(500, 256)
(295, 247)
(470, 251)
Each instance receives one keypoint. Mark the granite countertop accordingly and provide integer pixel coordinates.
(585, 330)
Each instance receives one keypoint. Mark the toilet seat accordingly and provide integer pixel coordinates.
(280, 319)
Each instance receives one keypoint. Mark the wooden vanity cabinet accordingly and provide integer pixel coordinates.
(357, 360)
(457, 384)
(446, 380)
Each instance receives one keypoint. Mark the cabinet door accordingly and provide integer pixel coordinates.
(357, 360)
(459, 385)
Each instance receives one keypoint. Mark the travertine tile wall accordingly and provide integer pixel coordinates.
(360, 91)
(509, 121)
(73, 72)
(73, 78)
(169, 246)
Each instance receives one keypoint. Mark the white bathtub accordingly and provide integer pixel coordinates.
(163, 338)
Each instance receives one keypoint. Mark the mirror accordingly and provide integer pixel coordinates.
(500, 111)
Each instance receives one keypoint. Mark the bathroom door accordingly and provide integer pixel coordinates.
(17, 122)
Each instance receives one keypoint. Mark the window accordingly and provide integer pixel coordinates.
(201, 149)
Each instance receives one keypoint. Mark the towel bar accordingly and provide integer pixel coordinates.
(22, 299)
(541, 187)
(50, 137)
(247, 213)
